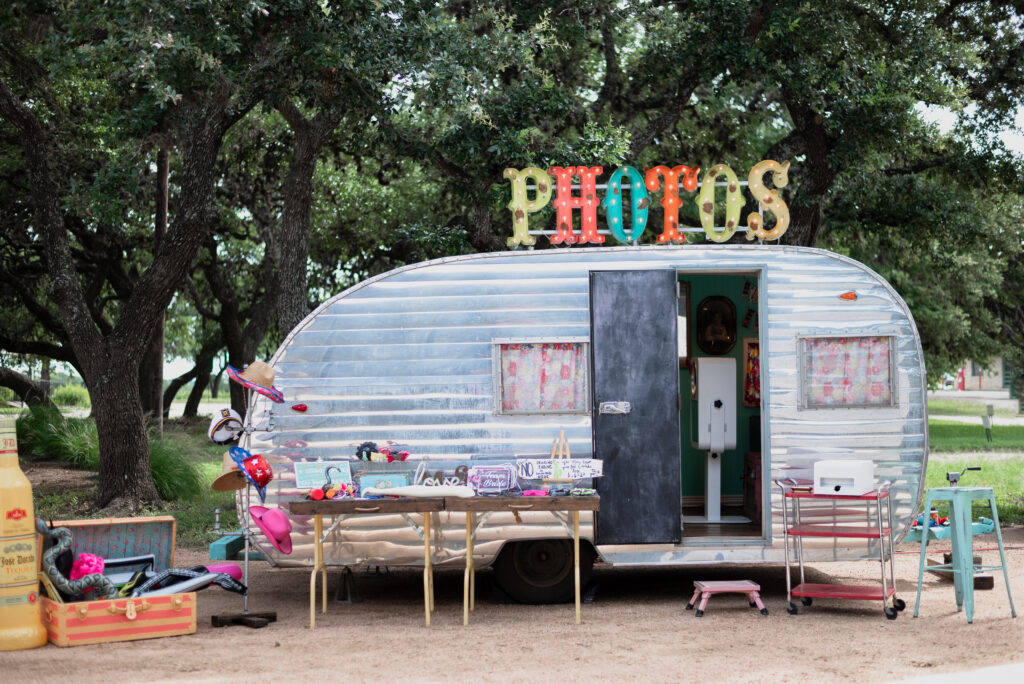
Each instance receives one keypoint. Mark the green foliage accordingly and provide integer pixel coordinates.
(175, 476)
(46, 434)
(71, 395)
(948, 435)
(1004, 475)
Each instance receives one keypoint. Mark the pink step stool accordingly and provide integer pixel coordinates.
(704, 591)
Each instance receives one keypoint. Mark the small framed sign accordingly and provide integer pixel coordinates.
(493, 479)
(309, 474)
(382, 480)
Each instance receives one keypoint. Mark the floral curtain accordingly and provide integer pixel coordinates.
(550, 377)
(847, 371)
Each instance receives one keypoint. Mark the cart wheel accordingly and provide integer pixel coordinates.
(891, 613)
(699, 613)
(806, 600)
(900, 604)
(764, 611)
(792, 610)
(689, 606)
(752, 604)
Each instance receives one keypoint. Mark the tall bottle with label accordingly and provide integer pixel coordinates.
(21, 624)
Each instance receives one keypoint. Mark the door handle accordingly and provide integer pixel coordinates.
(614, 407)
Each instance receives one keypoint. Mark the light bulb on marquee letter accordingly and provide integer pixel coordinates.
(670, 201)
(706, 203)
(565, 203)
(638, 200)
(768, 200)
(521, 206)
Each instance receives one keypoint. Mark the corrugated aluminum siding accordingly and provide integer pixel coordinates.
(406, 356)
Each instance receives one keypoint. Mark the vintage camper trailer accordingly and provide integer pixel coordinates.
(698, 375)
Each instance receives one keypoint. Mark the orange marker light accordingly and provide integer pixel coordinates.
(850, 296)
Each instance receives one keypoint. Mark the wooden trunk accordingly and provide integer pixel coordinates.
(123, 619)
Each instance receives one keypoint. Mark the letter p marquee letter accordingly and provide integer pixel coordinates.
(521, 206)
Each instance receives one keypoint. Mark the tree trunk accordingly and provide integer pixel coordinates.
(44, 378)
(29, 391)
(293, 241)
(125, 478)
(202, 379)
(151, 379)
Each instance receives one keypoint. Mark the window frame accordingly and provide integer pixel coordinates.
(496, 378)
(802, 369)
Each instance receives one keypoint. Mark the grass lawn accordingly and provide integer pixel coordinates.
(951, 435)
(958, 407)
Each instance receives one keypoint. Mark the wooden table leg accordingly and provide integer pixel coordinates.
(467, 580)
(318, 566)
(428, 575)
(576, 558)
(472, 573)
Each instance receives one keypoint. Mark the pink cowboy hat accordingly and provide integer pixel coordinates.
(257, 376)
(275, 525)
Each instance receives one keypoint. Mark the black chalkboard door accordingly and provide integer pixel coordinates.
(635, 360)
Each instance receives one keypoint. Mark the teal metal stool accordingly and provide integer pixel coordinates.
(960, 501)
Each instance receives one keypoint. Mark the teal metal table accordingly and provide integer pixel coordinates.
(961, 500)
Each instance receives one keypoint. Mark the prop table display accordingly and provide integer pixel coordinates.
(486, 505)
(343, 508)
(471, 506)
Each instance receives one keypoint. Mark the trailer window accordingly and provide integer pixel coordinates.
(534, 376)
(847, 371)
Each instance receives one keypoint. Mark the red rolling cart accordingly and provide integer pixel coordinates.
(853, 520)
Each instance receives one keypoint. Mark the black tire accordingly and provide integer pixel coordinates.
(806, 600)
(792, 609)
(764, 611)
(699, 613)
(891, 613)
(900, 604)
(541, 570)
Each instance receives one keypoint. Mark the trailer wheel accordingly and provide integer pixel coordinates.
(541, 570)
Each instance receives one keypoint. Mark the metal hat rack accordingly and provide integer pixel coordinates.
(254, 620)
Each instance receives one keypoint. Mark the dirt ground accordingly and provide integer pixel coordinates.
(636, 629)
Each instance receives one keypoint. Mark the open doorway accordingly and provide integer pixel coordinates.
(718, 333)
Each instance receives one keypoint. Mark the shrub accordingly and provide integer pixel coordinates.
(72, 395)
(46, 434)
(174, 476)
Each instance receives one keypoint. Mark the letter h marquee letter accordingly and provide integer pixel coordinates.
(565, 202)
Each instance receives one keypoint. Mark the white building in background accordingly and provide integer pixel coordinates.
(979, 377)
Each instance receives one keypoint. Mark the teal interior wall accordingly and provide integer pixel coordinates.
(693, 460)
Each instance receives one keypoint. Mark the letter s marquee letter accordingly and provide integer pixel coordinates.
(521, 207)
(768, 200)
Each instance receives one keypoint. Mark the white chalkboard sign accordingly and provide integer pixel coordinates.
(309, 474)
(558, 468)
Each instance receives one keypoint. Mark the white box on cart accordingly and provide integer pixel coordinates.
(845, 478)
